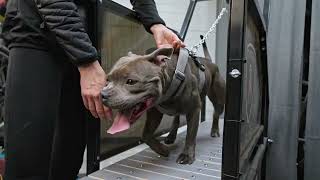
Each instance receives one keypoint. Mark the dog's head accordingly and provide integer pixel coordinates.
(134, 84)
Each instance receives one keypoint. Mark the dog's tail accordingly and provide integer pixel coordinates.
(205, 49)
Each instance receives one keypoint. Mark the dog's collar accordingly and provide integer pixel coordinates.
(178, 76)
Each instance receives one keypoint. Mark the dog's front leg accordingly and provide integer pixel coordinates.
(188, 154)
(154, 118)
(173, 132)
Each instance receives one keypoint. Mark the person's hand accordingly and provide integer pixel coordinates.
(164, 37)
(2, 2)
(92, 80)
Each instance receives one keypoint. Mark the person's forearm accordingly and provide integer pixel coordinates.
(147, 13)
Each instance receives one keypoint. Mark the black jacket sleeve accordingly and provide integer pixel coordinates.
(63, 20)
(147, 13)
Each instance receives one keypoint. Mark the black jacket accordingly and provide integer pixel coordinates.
(23, 26)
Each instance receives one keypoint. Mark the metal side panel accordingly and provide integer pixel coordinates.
(312, 132)
(285, 52)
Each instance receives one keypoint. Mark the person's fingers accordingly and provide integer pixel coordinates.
(182, 44)
(85, 102)
(178, 44)
(165, 45)
(104, 112)
(175, 45)
(158, 39)
(99, 107)
(92, 107)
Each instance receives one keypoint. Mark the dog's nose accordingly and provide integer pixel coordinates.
(104, 93)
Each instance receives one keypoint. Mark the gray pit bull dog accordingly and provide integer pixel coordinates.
(137, 83)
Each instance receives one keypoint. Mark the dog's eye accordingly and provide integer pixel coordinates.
(131, 82)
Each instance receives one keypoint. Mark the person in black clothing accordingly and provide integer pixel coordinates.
(53, 76)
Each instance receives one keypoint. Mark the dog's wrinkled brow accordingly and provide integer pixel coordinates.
(121, 73)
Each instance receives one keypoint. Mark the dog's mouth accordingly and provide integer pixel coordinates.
(124, 118)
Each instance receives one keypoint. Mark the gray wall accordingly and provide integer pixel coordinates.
(285, 52)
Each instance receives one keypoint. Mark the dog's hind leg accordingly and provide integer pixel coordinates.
(216, 95)
(215, 130)
(154, 118)
(173, 132)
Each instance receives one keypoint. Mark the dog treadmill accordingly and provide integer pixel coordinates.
(123, 156)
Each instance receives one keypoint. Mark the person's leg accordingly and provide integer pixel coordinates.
(70, 135)
(31, 108)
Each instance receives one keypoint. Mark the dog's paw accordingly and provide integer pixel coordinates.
(162, 150)
(169, 139)
(185, 159)
(215, 133)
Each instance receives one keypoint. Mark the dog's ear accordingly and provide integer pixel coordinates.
(131, 54)
(160, 55)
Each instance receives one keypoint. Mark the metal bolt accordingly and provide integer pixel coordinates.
(270, 141)
(235, 73)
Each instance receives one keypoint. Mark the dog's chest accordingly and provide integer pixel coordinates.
(167, 110)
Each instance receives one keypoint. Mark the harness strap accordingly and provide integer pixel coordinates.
(179, 75)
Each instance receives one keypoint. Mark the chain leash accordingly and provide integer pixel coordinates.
(193, 51)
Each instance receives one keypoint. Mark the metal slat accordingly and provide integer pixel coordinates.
(172, 162)
(165, 170)
(115, 175)
(154, 167)
(202, 169)
(139, 172)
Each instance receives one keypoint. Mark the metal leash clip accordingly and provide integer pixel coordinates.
(197, 62)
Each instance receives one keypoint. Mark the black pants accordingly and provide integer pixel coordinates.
(45, 124)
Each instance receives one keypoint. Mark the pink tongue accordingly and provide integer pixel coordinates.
(120, 123)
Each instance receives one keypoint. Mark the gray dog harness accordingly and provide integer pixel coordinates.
(179, 75)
